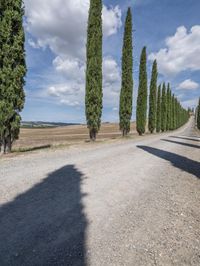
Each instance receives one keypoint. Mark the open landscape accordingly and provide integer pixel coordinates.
(32, 138)
(99, 133)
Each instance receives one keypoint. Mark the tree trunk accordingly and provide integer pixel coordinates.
(125, 133)
(92, 135)
(3, 146)
(9, 144)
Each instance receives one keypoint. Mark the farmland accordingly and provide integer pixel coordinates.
(31, 138)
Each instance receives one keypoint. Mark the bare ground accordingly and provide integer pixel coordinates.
(132, 202)
(31, 138)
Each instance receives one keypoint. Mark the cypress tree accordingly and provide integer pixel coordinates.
(12, 71)
(168, 105)
(173, 113)
(126, 95)
(141, 111)
(158, 112)
(94, 94)
(163, 109)
(198, 115)
(152, 98)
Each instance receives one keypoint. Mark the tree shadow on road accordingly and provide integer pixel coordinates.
(192, 136)
(178, 161)
(46, 225)
(192, 139)
(182, 143)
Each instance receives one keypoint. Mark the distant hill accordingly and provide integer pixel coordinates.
(41, 124)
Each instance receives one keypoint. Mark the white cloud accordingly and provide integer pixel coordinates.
(72, 92)
(111, 82)
(188, 84)
(33, 44)
(61, 25)
(68, 94)
(111, 71)
(181, 52)
(70, 68)
(111, 20)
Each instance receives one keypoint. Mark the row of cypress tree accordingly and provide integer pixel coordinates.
(12, 71)
(165, 112)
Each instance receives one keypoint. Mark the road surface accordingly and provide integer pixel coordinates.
(127, 202)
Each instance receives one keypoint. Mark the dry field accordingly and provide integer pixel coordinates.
(31, 138)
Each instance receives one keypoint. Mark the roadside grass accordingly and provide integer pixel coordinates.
(28, 149)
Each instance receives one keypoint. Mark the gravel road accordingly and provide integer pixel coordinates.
(126, 202)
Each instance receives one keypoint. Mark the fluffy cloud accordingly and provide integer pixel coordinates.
(111, 71)
(70, 68)
(181, 52)
(111, 20)
(66, 94)
(61, 24)
(111, 82)
(188, 84)
(72, 92)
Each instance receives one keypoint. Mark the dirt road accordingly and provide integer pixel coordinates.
(131, 202)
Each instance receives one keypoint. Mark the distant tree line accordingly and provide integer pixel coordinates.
(165, 111)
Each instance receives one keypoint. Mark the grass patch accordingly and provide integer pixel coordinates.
(27, 149)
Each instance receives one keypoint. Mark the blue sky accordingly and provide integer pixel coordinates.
(55, 49)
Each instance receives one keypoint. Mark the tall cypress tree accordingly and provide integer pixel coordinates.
(158, 111)
(198, 115)
(168, 105)
(94, 94)
(126, 95)
(12, 71)
(141, 111)
(171, 112)
(163, 109)
(152, 98)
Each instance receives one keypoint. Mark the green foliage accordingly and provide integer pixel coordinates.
(152, 98)
(163, 109)
(141, 111)
(198, 115)
(126, 95)
(12, 70)
(94, 94)
(168, 105)
(171, 111)
(158, 111)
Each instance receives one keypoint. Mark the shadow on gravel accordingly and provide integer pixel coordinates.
(181, 162)
(182, 143)
(46, 225)
(193, 136)
(177, 137)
